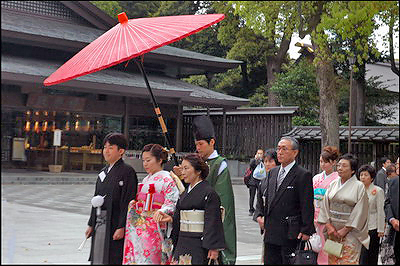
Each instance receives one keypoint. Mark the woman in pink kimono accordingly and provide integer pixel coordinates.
(321, 181)
(344, 212)
(149, 218)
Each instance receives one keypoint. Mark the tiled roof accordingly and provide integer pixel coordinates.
(113, 81)
(357, 133)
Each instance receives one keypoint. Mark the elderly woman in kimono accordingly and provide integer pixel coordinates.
(376, 214)
(344, 211)
(150, 214)
(198, 233)
(321, 181)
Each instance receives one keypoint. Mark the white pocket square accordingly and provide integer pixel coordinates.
(290, 187)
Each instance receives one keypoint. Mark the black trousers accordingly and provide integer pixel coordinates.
(252, 191)
(370, 256)
(278, 255)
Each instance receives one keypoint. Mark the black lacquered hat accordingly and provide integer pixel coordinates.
(203, 128)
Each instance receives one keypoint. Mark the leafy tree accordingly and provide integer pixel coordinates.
(140, 9)
(275, 22)
(390, 17)
(112, 8)
(297, 83)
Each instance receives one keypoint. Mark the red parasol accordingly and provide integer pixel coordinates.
(129, 39)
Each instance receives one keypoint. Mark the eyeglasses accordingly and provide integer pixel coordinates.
(284, 149)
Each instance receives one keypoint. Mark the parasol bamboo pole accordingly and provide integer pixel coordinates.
(158, 112)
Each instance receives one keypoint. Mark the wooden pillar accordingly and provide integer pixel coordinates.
(179, 128)
(126, 118)
(223, 131)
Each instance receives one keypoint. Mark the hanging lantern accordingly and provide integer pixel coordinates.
(67, 127)
(27, 126)
(36, 127)
(44, 126)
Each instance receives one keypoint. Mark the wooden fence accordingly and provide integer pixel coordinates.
(245, 133)
(366, 152)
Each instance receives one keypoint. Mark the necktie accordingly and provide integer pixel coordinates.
(281, 176)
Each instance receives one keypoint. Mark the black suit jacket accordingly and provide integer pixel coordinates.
(289, 210)
(392, 204)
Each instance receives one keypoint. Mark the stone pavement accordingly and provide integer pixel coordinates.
(44, 217)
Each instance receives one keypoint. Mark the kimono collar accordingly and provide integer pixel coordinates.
(111, 165)
(350, 180)
(325, 175)
(190, 187)
(213, 155)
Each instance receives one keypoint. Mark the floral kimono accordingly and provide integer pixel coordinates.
(147, 242)
(347, 205)
(321, 183)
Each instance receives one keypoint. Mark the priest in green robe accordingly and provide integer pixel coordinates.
(220, 180)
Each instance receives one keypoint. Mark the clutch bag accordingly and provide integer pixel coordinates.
(333, 248)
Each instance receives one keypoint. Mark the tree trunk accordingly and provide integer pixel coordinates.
(328, 97)
(273, 67)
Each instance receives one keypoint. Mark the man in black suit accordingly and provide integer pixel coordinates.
(381, 176)
(287, 205)
(392, 214)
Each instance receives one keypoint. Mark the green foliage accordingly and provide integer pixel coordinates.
(112, 8)
(140, 9)
(298, 87)
(347, 29)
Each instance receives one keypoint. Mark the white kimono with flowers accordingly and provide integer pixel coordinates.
(347, 205)
(145, 241)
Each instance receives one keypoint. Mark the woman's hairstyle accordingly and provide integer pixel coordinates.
(369, 169)
(198, 164)
(329, 153)
(116, 139)
(271, 153)
(157, 151)
(352, 159)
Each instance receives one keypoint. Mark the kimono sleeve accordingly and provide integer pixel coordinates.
(380, 204)
(171, 193)
(128, 193)
(176, 223)
(213, 234)
(323, 216)
(359, 215)
(92, 219)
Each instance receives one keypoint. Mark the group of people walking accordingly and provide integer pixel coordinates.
(187, 216)
(182, 217)
(354, 209)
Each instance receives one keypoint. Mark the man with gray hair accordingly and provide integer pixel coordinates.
(287, 205)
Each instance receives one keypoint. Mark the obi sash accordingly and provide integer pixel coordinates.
(192, 221)
(149, 201)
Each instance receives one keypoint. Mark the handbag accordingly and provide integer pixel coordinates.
(315, 241)
(333, 248)
(246, 177)
(260, 173)
(303, 257)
